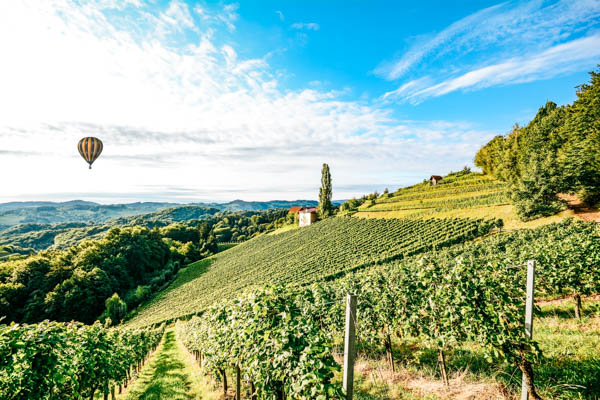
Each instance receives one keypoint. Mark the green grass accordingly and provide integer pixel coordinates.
(169, 374)
(321, 251)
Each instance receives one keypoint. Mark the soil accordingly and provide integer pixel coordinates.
(582, 210)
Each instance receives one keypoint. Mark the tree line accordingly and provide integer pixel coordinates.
(556, 152)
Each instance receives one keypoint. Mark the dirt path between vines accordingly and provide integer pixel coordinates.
(581, 210)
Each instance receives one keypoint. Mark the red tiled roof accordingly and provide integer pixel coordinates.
(309, 209)
(295, 209)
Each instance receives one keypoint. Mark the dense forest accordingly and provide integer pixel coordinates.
(108, 275)
(557, 152)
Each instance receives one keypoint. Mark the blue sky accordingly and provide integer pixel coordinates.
(205, 100)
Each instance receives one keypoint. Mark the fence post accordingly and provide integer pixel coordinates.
(528, 315)
(349, 345)
(238, 385)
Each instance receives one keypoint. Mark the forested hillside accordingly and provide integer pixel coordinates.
(557, 152)
(88, 264)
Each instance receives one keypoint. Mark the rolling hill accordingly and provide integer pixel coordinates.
(322, 251)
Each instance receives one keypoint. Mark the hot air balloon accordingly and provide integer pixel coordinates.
(90, 148)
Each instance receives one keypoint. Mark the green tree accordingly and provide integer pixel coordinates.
(115, 308)
(325, 206)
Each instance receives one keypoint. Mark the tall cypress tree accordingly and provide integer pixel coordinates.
(325, 192)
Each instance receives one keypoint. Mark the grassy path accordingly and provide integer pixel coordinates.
(168, 375)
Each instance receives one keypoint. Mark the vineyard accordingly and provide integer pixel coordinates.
(322, 251)
(54, 360)
(444, 300)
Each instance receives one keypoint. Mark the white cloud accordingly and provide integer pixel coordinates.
(281, 16)
(309, 26)
(507, 28)
(192, 115)
(563, 58)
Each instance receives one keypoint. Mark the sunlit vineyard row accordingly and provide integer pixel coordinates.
(321, 251)
(53, 360)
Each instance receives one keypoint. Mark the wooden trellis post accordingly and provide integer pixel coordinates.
(349, 346)
(528, 315)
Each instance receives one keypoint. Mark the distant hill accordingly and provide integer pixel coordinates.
(63, 235)
(47, 212)
(42, 235)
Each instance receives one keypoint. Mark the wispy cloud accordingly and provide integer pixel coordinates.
(507, 43)
(309, 26)
(563, 58)
(281, 16)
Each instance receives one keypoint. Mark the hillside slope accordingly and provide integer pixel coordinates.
(318, 252)
(462, 194)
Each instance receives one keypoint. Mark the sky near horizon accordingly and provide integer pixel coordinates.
(215, 101)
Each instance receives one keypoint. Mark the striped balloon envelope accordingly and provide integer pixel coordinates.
(90, 148)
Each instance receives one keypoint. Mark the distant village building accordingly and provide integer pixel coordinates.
(307, 216)
(434, 180)
(295, 210)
